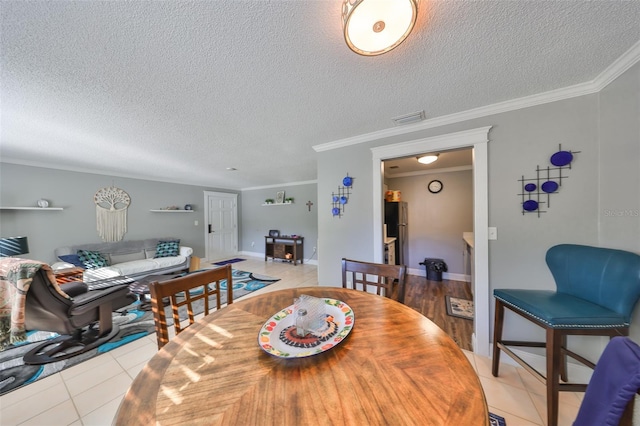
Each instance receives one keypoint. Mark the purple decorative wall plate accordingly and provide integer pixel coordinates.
(561, 158)
(549, 186)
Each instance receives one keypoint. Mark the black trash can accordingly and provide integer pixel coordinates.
(435, 268)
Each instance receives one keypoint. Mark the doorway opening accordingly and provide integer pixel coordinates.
(439, 204)
(438, 201)
(477, 140)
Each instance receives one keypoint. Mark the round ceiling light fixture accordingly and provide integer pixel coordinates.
(428, 159)
(374, 27)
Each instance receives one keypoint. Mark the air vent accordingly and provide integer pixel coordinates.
(414, 117)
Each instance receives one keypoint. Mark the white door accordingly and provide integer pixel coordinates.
(221, 227)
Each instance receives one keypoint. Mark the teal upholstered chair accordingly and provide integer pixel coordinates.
(597, 289)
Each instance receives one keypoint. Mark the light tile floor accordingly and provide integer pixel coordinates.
(90, 393)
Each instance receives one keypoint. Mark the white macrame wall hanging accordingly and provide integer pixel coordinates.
(111, 213)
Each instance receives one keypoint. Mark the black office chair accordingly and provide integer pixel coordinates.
(84, 321)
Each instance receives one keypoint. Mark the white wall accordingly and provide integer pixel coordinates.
(437, 221)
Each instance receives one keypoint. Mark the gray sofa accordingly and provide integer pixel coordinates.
(134, 259)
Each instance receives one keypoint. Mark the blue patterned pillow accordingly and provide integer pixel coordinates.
(167, 248)
(92, 259)
(73, 259)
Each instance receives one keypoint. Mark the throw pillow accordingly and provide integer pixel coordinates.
(167, 248)
(92, 259)
(73, 259)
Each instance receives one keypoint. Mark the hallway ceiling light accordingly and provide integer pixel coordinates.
(428, 158)
(374, 27)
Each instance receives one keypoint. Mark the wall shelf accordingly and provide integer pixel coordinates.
(32, 208)
(277, 204)
(171, 211)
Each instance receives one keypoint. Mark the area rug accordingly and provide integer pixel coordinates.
(496, 420)
(226, 262)
(133, 322)
(243, 283)
(461, 308)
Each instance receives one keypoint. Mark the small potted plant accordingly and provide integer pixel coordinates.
(288, 200)
(268, 201)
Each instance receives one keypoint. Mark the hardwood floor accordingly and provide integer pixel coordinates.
(428, 298)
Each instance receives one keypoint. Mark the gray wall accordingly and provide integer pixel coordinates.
(603, 127)
(349, 235)
(619, 173)
(257, 220)
(437, 221)
(619, 186)
(76, 224)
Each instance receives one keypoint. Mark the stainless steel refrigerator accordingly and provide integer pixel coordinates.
(396, 218)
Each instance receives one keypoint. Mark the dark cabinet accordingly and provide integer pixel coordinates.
(284, 248)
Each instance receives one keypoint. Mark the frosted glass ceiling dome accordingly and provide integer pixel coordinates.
(373, 27)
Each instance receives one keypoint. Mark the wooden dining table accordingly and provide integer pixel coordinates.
(395, 367)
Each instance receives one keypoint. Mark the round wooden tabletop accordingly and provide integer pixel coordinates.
(396, 367)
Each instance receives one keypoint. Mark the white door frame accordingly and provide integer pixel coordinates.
(229, 195)
(476, 139)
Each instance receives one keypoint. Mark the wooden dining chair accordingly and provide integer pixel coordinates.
(596, 292)
(184, 291)
(383, 278)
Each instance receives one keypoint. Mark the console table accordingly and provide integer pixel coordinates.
(285, 248)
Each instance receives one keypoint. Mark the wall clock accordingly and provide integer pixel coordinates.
(435, 186)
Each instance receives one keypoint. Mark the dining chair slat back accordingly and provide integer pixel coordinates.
(184, 291)
(383, 278)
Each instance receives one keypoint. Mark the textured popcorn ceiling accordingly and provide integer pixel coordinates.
(181, 90)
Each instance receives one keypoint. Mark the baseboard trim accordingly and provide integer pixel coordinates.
(445, 275)
(255, 254)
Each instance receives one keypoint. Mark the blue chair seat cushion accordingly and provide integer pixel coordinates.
(560, 310)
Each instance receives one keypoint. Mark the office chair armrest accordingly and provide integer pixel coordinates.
(74, 288)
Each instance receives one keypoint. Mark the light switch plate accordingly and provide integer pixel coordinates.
(493, 233)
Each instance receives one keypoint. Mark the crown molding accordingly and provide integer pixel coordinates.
(619, 66)
(134, 176)
(280, 185)
(73, 169)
